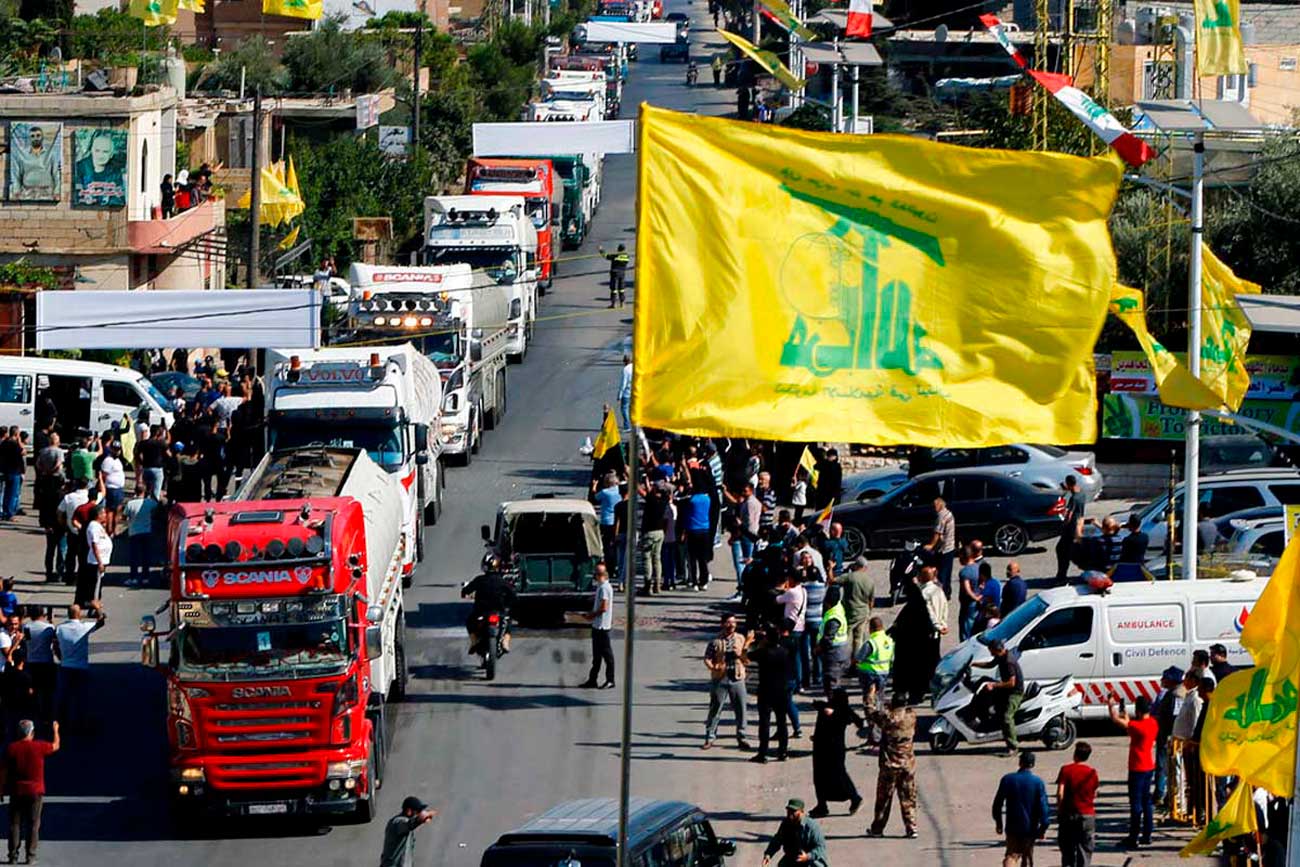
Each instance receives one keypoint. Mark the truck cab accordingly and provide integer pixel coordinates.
(535, 181)
(285, 640)
(499, 241)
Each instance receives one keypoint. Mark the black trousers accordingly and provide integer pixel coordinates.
(616, 281)
(24, 814)
(1064, 548)
(601, 651)
(767, 708)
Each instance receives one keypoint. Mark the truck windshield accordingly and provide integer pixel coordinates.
(539, 211)
(442, 349)
(266, 650)
(383, 443)
(499, 265)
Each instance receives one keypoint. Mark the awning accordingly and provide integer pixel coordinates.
(842, 54)
(1191, 116)
(840, 18)
(1279, 313)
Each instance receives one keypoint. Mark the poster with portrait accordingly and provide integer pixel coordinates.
(99, 168)
(35, 161)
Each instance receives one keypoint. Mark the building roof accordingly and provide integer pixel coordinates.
(842, 53)
(840, 18)
(1188, 116)
(53, 106)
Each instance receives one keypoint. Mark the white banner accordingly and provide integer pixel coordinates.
(143, 319)
(620, 31)
(554, 137)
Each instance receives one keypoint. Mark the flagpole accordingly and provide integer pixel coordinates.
(629, 587)
(1192, 459)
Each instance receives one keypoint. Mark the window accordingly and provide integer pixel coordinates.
(1221, 501)
(947, 459)
(1269, 544)
(1288, 495)
(917, 494)
(1051, 451)
(121, 394)
(15, 388)
(1000, 455)
(1063, 628)
(144, 166)
(965, 489)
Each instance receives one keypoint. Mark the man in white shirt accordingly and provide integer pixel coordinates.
(801, 545)
(73, 500)
(99, 553)
(936, 605)
(112, 480)
(138, 514)
(72, 649)
(40, 659)
(625, 393)
(602, 621)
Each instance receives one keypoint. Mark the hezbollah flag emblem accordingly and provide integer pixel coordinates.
(312, 9)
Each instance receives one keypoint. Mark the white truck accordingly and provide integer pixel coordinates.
(460, 323)
(495, 237)
(384, 399)
(566, 90)
(574, 108)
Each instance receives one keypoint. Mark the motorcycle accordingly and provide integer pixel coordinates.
(692, 74)
(904, 569)
(490, 634)
(1044, 714)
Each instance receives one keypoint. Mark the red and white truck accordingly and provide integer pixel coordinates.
(534, 179)
(286, 638)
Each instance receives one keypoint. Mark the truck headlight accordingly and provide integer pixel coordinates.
(193, 775)
(345, 770)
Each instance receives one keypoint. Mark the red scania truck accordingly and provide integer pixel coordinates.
(286, 638)
(534, 180)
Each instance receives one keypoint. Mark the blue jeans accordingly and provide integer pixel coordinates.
(13, 489)
(792, 710)
(625, 409)
(1162, 771)
(1139, 804)
(966, 620)
(141, 550)
(741, 551)
(153, 480)
(796, 643)
(945, 572)
(810, 664)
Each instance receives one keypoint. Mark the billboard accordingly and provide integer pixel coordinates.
(35, 161)
(99, 168)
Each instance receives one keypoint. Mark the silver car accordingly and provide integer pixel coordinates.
(1038, 465)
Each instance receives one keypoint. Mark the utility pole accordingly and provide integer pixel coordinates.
(1192, 460)
(757, 28)
(415, 102)
(255, 194)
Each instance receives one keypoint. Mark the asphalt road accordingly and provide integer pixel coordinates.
(489, 756)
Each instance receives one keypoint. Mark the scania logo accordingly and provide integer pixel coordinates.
(303, 574)
(210, 577)
(260, 692)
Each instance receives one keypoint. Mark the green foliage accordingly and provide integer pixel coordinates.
(57, 11)
(22, 274)
(1257, 229)
(331, 58)
(349, 177)
(114, 37)
(254, 56)
(810, 116)
(22, 43)
(197, 53)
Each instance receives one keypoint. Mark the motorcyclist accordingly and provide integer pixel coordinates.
(692, 72)
(491, 593)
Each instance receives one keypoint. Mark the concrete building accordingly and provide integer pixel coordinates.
(225, 23)
(82, 194)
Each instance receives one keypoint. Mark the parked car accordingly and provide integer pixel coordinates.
(1007, 514)
(1236, 451)
(1040, 465)
(165, 382)
(1260, 540)
(585, 832)
(1220, 494)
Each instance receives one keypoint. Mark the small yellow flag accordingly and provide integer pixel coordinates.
(786, 18)
(154, 13)
(289, 239)
(1175, 382)
(192, 5)
(765, 59)
(809, 463)
(279, 203)
(1225, 330)
(1236, 817)
(294, 8)
(824, 517)
(864, 300)
(608, 437)
(1218, 38)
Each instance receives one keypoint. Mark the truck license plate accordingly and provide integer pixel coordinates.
(267, 809)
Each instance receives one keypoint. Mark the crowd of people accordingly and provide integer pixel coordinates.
(187, 190)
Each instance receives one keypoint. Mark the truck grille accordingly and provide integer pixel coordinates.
(275, 772)
(262, 725)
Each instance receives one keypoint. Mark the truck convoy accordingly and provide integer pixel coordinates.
(286, 639)
(383, 399)
(590, 63)
(462, 327)
(534, 180)
(498, 240)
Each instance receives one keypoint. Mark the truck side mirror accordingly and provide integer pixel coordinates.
(486, 532)
(476, 350)
(374, 641)
(148, 624)
(149, 651)
(421, 437)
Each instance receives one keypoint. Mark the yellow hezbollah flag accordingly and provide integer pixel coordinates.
(289, 239)
(294, 8)
(786, 18)
(820, 287)
(1218, 38)
(154, 13)
(607, 438)
(1237, 817)
(192, 5)
(1250, 726)
(1225, 330)
(1175, 382)
(809, 463)
(765, 59)
(279, 202)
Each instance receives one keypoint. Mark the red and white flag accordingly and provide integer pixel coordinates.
(859, 23)
(1105, 125)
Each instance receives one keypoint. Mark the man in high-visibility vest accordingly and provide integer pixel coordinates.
(833, 645)
(874, 659)
(618, 263)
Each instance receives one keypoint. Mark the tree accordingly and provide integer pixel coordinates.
(1256, 230)
(114, 37)
(254, 60)
(331, 58)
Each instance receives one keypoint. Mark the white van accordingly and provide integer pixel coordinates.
(1118, 643)
(86, 396)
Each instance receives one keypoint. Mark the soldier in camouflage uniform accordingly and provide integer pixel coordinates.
(897, 765)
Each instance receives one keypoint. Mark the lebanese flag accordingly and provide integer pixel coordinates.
(859, 18)
(1105, 125)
